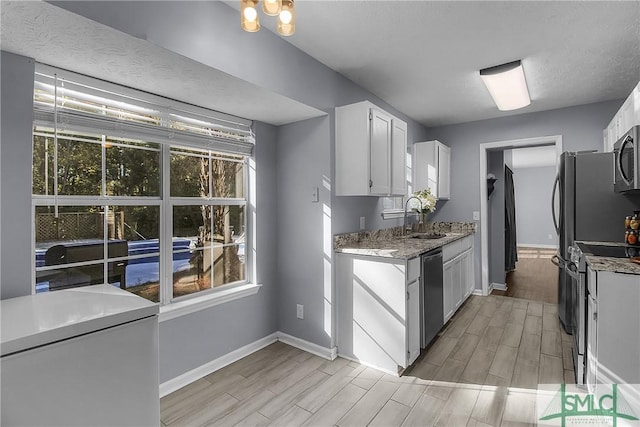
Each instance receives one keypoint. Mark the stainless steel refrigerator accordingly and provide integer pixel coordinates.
(586, 208)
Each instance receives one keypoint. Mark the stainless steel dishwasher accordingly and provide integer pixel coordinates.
(432, 315)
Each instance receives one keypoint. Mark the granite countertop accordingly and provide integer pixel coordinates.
(613, 264)
(616, 265)
(389, 243)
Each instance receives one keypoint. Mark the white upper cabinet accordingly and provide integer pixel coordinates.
(398, 157)
(627, 117)
(432, 168)
(371, 148)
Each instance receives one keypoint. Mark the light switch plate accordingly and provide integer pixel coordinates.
(315, 195)
(300, 311)
(476, 215)
(362, 223)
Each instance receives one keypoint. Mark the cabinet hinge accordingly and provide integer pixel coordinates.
(407, 295)
(370, 115)
(370, 183)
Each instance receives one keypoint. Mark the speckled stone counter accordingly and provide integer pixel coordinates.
(389, 242)
(616, 265)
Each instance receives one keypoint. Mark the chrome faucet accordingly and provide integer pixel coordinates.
(404, 222)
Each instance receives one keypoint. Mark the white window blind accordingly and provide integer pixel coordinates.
(88, 105)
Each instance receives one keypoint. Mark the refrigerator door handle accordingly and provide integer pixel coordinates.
(553, 204)
(623, 175)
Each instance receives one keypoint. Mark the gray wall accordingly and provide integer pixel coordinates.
(534, 223)
(16, 125)
(208, 32)
(291, 161)
(211, 333)
(581, 129)
(495, 210)
(304, 229)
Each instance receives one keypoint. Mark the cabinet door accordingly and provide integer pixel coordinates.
(425, 166)
(380, 154)
(413, 326)
(444, 168)
(398, 158)
(467, 274)
(447, 291)
(626, 115)
(471, 274)
(457, 283)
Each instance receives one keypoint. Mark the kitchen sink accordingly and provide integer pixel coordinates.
(427, 236)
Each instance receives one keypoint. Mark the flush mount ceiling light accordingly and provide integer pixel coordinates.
(283, 9)
(507, 85)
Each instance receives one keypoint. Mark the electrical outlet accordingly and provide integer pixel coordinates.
(315, 195)
(300, 311)
(476, 215)
(362, 223)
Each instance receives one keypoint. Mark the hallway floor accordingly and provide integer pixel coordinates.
(535, 277)
(482, 370)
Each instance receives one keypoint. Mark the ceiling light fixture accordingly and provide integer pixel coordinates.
(283, 9)
(507, 85)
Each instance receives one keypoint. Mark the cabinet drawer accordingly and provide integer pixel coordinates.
(450, 250)
(455, 248)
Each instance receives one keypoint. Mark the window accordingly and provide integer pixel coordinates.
(130, 188)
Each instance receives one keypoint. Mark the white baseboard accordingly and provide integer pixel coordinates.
(478, 292)
(536, 246)
(499, 286)
(309, 347)
(195, 374)
(201, 371)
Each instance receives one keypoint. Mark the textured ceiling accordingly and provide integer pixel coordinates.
(63, 39)
(425, 61)
(421, 57)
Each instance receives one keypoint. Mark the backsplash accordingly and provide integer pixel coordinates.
(347, 239)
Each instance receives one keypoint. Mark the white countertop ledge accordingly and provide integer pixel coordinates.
(35, 320)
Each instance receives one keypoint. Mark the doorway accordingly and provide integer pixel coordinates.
(485, 149)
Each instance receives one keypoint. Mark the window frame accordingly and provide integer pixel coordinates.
(170, 306)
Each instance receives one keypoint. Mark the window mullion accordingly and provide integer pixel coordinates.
(166, 231)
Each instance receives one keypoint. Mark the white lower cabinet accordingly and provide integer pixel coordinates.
(458, 275)
(613, 330)
(378, 310)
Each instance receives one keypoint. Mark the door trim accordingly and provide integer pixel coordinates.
(484, 227)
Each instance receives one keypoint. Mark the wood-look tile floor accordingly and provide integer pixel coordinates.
(483, 369)
(535, 277)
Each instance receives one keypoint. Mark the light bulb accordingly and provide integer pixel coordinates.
(285, 17)
(271, 7)
(250, 14)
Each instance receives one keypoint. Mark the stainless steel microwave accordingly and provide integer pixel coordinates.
(627, 157)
